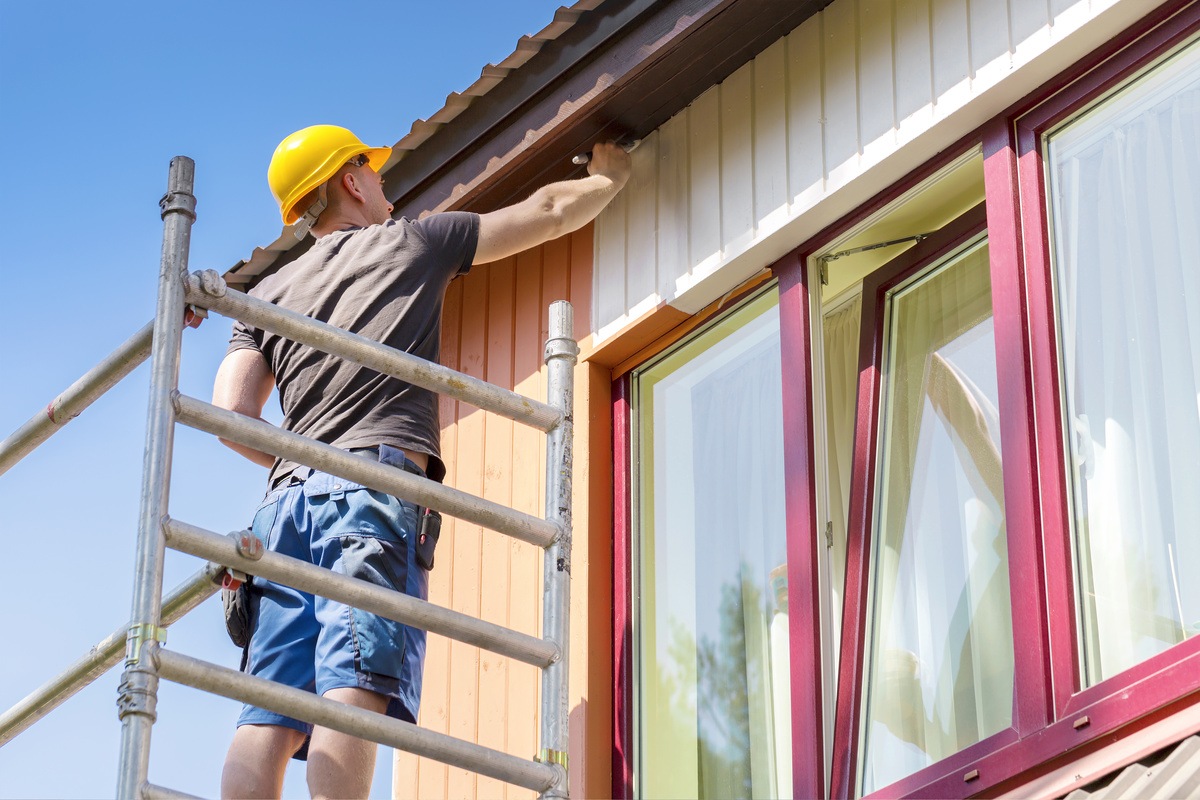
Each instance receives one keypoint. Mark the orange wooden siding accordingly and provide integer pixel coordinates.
(494, 328)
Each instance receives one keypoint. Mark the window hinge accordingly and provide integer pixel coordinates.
(824, 272)
(829, 534)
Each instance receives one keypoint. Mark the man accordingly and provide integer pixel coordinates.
(386, 280)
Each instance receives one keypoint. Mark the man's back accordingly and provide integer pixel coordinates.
(385, 282)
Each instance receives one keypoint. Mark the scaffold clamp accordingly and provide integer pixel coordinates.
(547, 756)
(138, 636)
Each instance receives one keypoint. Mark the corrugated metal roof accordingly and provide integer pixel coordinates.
(490, 76)
(1173, 772)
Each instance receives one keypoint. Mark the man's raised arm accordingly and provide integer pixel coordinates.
(555, 209)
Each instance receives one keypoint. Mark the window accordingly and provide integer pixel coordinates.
(991, 424)
(712, 678)
(940, 651)
(1124, 195)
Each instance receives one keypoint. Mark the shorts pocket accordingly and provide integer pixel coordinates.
(343, 508)
(378, 642)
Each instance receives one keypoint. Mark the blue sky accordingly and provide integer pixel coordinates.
(95, 99)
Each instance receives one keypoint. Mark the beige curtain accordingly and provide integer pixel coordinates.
(840, 328)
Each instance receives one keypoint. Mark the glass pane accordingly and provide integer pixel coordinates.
(940, 664)
(713, 682)
(840, 329)
(1125, 192)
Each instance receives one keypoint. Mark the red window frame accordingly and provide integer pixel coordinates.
(1055, 719)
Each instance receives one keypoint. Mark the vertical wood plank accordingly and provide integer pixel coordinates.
(430, 775)
(990, 45)
(951, 59)
(641, 246)
(806, 115)
(672, 257)
(1029, 19)
(609, 286)
(1068, 7)
(914, 63)
(495, 587)
(770, 137)
(841, 91)
(581, 246)
(704, 179)
(737, 159)
(877, 79)
(595, 512)
(463, 707)
(528, 444)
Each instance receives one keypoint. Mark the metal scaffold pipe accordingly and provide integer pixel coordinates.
(138, 693)
(360, 594)
(103, 656)
(208, 290)
(381, 477)
(77, 397)
(561, 355)
(357, 722)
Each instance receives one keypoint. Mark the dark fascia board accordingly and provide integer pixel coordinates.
(623, 69)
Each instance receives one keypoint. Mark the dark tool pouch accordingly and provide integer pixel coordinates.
(429, 528)
(239, 617)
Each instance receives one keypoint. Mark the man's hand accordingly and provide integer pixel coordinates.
(554, 210)
(611, 161)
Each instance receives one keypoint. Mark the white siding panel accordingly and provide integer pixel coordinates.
(988, 22)
(1068, 12)
(770, 137)
(673, 202)
(841, 91)
(951, 51)
(805, 114)
(737, 159)
(914, 63)
(818, 123)
(877, 81)
(640, 244)
(1029, 19)
(704, 150)
(608, 288)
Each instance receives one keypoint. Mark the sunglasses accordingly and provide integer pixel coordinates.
(359, 160)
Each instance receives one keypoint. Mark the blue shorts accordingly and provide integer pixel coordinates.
(316, 644)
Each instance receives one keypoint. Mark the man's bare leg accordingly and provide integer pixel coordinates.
(256, 761)
(342, 766)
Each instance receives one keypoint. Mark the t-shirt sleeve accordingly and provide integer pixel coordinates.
(452, 237)
(242, 339)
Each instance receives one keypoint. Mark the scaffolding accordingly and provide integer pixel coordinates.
(146, 661)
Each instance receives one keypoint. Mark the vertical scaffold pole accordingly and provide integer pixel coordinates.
(561, 354)
(138, 693)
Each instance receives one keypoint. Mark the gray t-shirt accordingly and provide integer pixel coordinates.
(386, 283)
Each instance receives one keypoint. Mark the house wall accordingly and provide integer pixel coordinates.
(853, 99)
(494, 328)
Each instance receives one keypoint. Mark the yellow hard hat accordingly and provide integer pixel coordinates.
(308, 158)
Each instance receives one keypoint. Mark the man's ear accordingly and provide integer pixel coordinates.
(350, 184)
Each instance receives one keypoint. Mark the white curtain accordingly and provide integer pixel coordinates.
(715, 697)
(940, 659)
(1125, 188)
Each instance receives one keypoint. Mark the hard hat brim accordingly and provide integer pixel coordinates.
(376, 158)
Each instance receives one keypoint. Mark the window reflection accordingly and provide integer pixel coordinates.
(713, 686)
